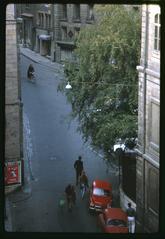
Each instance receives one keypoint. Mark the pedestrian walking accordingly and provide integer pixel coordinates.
(83, 183)
(70, 196)
(131, 218)
(78, 165)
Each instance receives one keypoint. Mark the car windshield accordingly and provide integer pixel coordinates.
(101, 192)
(116, 222)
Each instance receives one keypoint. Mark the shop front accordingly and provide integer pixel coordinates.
(44, 44)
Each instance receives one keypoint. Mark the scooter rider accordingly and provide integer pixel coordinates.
(30, 72)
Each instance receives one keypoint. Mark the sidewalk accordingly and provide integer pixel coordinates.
(17, 193)
(8, 222)
(36, 57)
(21, 193)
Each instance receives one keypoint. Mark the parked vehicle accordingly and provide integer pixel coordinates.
(124, 145)
(100, 196)
(113, 220)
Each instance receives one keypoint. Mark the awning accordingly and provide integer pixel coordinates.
(44, 37)
(27, 15)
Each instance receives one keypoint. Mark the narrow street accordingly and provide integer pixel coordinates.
(52, 144)
(99, 63)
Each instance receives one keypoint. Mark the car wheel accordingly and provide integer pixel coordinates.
(91, 212)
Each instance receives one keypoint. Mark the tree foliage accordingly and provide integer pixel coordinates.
(104, 78)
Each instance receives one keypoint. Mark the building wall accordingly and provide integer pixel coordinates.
(147, 171)
(13, 118)
(67, 28)
(42, 46)
(26, 12)
(60, 47)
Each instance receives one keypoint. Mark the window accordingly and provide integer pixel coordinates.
(64, 33)
(48, 20)
(40, 19)
(77, 30)
(27, 6)
(90, 12)
(153, 189)
(77, 11)
(116, 222)
(64, 11)
(101, 192)
(155, 113)
(157, 32)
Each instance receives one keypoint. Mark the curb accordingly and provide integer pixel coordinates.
(7, 219)
(46, 64)
(11, 189)
(21, 53)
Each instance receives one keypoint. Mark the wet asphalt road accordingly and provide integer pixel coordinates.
(52, 145)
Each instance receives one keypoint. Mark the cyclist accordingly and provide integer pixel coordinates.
(83, 183)
(30, 72)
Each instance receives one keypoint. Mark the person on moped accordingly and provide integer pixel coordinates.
(30, 72)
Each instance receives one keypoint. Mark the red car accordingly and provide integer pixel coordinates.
(113, 220)
(100, 195)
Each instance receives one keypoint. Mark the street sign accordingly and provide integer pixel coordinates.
(13, 172)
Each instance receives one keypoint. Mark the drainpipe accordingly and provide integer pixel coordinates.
(145, 64)
(52, 40)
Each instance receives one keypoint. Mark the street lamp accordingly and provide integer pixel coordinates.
(68, 86)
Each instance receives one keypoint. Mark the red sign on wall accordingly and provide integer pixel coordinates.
(12, 172)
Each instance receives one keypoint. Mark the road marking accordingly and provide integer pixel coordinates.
(28, 143)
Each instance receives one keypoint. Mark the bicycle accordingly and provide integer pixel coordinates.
(83, 189)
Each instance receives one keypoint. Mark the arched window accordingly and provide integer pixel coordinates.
(157, 32)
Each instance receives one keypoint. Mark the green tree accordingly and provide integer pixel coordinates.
(104, 79)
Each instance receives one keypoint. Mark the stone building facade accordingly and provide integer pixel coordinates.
(13, 106)
(68, 20)
(43, 30)
(25, 12)
(50, 29)
(147, 165)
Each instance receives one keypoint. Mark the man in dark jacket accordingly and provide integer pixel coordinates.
(78, 165)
